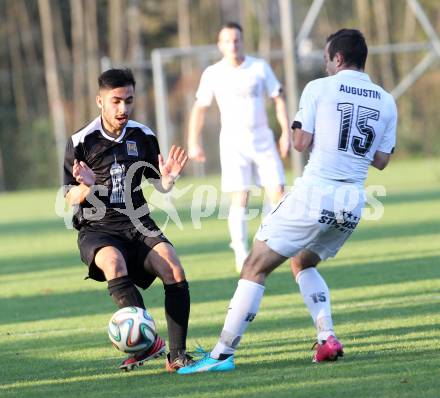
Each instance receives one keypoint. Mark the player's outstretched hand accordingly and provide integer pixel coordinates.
(83, 173)
(196, 153)
(175, 163)
(285, 144)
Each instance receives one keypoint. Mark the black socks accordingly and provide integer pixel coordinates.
(125, 293)
(222, 357)
(177, 306)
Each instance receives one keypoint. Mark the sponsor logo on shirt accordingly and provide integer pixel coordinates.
(343, 221)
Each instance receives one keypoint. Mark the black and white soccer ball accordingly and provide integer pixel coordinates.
(132, 329)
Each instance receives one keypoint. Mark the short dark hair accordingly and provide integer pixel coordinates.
(232, 25)
(114, 78)
(351, 44)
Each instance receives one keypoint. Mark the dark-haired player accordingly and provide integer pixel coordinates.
(104, 165)
(349, 123)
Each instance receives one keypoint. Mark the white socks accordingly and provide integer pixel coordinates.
(317, 298)
(246, 301)
(242, 310)
(238, 231)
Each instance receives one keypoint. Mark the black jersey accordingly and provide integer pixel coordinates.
(119, 164)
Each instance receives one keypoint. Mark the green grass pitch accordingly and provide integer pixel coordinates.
(385, 288)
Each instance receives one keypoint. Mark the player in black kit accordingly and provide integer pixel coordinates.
(103, 169)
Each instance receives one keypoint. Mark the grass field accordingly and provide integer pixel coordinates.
(385, 287)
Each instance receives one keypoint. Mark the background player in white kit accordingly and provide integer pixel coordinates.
(349, 123)
(239, 84)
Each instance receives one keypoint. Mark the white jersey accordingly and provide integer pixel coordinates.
(240, 94)
(350, 118)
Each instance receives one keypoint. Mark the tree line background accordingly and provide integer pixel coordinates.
(53, 51)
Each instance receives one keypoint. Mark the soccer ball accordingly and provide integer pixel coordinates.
(132, 329)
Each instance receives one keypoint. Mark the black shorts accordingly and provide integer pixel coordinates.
(133, 245)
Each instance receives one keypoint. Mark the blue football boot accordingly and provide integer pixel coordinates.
(208, 364)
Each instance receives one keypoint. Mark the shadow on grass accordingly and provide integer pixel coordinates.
(377, 273)
(366, 232)
(370, 373)
(35, 263)
(53, 305)
(201, 246)
(411, 197)
(39, 226)
(380, 231)
(21, 264)
(299, 318)
(391, 333)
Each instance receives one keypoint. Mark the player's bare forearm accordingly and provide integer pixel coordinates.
(381, 160)
(167, 183)
(77, 194)
(302, 140)
(281, 113)
(285, 141)
(163, 184)
(196, 122)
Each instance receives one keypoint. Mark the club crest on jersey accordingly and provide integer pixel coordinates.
(132, 148)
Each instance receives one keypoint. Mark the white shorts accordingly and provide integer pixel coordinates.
(321, 225)
(245, 164)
